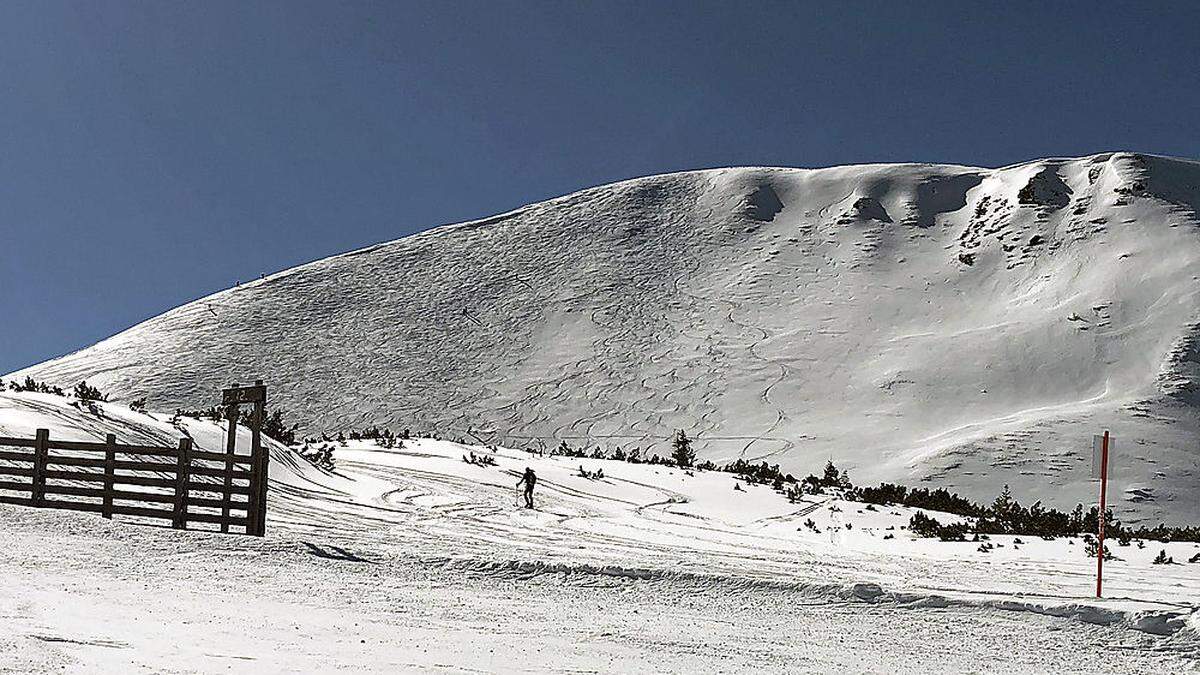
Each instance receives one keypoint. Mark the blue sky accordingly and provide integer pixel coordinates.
(152, 152)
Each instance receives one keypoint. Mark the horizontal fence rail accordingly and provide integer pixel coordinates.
(181, 484)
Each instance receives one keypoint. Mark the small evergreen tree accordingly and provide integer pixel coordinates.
(832, 477)
(682, 451)
(274, 427)
(1004, 511)
(1091, 547)
(923, 526)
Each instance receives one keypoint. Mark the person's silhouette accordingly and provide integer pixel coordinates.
(528, 480)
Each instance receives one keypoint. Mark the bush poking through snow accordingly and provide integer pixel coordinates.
(1007, 516)
(924, 526)
(1163, 559)
(372, 433)
(1090, 546)
(921, 498)
(598, 474)
(89, 397)
(564, 450)
(618, 454)
(32, 385)
(84, 392)
(479, 460)
(384, 438)
(320, 457)
(763, 473)
(212, 413)
(273, 426)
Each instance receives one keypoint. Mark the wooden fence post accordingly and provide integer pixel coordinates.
(182, 469)
(41, 452)
(110, 458)
(230, 446)
(261, 462)
(263, 473)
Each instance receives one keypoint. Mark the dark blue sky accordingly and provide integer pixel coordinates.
(152, 153)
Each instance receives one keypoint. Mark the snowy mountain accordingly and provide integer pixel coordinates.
(969, 326)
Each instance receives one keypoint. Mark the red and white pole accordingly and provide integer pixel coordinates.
(1101, 515)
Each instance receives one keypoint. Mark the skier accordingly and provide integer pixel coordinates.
(528, 480)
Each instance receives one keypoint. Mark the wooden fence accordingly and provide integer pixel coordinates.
(180, 484)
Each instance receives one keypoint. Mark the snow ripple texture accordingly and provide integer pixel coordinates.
(963, 325)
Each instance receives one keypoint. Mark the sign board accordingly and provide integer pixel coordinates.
(236, 395)
(1098, 452)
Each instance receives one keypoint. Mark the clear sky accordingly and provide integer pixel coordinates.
(154, 152)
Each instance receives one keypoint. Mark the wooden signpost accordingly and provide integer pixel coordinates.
(232, 398)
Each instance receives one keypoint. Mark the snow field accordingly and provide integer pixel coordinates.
(410, 559)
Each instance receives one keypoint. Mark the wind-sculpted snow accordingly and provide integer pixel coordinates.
(970, 326)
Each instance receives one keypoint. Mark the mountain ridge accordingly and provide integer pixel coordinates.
(912, 321)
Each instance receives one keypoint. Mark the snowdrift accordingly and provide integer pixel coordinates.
(21, 414)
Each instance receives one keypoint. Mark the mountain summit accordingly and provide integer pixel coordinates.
(969, 326)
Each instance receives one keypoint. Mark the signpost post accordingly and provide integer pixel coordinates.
(1100, 450)
(232, 398)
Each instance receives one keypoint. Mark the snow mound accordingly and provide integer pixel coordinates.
(21, 414)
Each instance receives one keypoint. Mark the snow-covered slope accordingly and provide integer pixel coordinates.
(970, 326)
(421, 502)
(21, 414)
(409, 558)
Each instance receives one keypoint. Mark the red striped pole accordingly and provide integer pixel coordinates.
(1101, 517)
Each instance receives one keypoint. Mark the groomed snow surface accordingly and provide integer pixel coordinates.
(410, 559)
